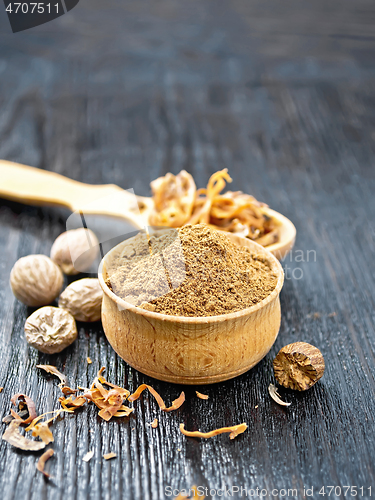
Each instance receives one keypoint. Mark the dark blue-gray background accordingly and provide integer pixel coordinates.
(283, 95)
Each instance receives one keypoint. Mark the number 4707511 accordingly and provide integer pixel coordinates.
(31, 8)
(346, 491)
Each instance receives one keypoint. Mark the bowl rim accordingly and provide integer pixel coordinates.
(123, 305)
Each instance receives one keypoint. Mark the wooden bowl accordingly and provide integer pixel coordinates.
(192, 350)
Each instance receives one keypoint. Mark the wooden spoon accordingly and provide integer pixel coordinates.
(34, 186)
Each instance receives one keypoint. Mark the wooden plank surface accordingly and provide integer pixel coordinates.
(281, 93)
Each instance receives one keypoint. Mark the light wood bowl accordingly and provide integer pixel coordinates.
(192, 350)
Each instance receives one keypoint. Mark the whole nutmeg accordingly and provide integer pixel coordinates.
(75, 250)
(298, 366)
(50, 329)
(83, 299)
(36, 280)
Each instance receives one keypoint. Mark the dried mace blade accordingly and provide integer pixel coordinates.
(175, 404)
(68, 390)
(298, 366)
(233, 431)
(110, 401)
(42, 430)
(70, 404)
(30, 407)
(54, 371)
(42, 462)
(200, 395)
(12, 436)
(276, 396)
(154, 423)
(88, 456)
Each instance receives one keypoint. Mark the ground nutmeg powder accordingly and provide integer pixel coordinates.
(192, 271)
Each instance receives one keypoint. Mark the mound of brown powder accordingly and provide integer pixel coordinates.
(192, 271)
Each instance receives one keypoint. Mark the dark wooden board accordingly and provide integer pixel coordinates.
(281, 93)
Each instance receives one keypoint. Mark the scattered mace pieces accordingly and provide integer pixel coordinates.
(276, 396)
(13, 415)
(70, 404)
(102, 380)
(83, 299)
(89, 361)
(12, 436)
(54, 371)
(298, 366)
(36, 280)
(108, 456)
(88, 456)
(234, 431)
(42, 430)
(75, 250)
(42, 462)
(67, 390)
(24, 401)
(50, 329)
(175, 404)
(201, 396)
(154, 423)
(110, 401)
(1, 389)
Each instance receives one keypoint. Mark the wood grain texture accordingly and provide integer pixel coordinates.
(281, 93)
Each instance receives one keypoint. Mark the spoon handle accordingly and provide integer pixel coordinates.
(34, 186)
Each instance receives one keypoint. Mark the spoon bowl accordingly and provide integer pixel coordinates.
(287, 237)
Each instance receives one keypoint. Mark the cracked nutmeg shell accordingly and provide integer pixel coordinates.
(83, 299)
(50, 329)
(298, 366)
(36, 280)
